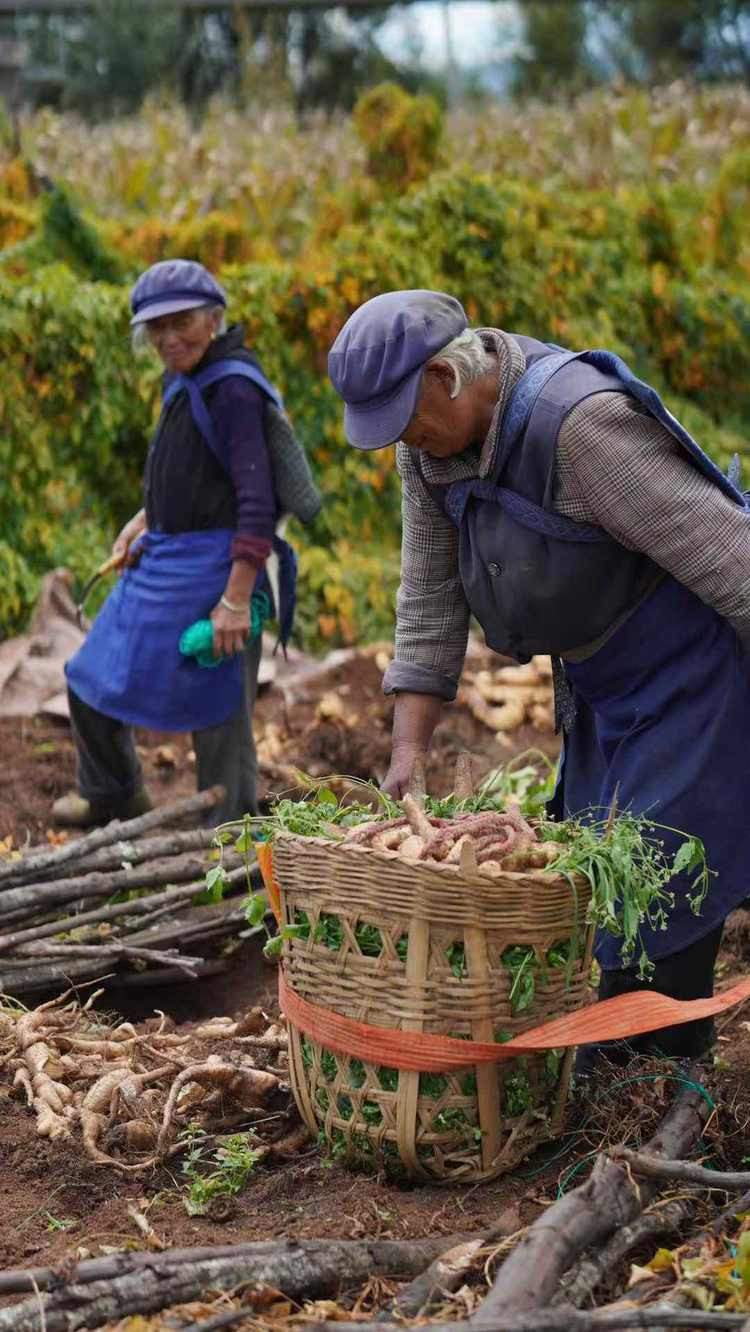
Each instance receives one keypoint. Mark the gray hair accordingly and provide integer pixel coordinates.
(139, 336)
(467, 357)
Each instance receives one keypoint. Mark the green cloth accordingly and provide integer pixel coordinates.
(198, 640)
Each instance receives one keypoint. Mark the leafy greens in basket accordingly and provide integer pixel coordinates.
(622, 858)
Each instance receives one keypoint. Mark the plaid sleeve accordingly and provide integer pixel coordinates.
(621, 468)
(432, 614)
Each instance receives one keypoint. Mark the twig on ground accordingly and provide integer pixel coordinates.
(654, 1167)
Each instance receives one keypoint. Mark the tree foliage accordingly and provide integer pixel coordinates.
(602, 243)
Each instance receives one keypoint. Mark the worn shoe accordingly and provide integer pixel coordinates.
(73, 811)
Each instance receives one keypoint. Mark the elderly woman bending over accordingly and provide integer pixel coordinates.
(552, 494)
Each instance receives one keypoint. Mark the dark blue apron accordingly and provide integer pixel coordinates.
(130, 666)
(663, 717)
(663, 708)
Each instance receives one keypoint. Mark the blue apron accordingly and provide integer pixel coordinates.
(130, 666)
(663, 717)
(663, 708)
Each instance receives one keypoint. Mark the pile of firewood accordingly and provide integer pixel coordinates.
(508, 697)
(118, 903)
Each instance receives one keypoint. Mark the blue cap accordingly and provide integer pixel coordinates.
(377, 361)
(172, 285)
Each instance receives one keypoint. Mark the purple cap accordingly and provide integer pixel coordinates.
(377, 361)
(172, 285)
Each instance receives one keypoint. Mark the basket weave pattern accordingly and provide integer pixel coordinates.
(414, 947)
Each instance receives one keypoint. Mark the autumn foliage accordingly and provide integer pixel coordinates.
(618, 220)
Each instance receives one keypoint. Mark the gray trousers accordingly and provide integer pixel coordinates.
(109, 771)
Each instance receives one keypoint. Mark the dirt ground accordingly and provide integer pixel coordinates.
(56, 1205)
(39, 758)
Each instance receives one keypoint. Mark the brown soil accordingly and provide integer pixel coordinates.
(45, 1184)
(58, 1206)
(39, 758)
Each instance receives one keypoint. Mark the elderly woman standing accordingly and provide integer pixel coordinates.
(222, 467)
(553, 495)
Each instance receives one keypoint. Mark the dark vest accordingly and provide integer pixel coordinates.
(536, 581)
(185, 486)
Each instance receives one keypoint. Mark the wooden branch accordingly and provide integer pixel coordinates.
(444, 1275)
(40, 896)
(652, 1167)
(134, 907)
(655, 1285)
(100, 1290)
(113, 951)
(26, 980)
(609, 1199)
(189, 929)
(572, 1320)
(19, 871)
(148, 980)
(580, 1284)
(136, 852)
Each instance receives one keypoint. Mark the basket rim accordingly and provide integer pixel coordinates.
(538, 876)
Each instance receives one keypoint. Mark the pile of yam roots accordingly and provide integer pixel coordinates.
(128, 1094)
(490, 843)
(508, 697)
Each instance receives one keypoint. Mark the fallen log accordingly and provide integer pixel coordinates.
(579, 1285)
(136, 851)
(686, 1172)
(134, 907)
(100, 1290)
(21, 870)
(572, 1320)
(43, 896)
(609, 1199)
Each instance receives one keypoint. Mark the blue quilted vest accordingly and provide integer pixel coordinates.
(536, 581)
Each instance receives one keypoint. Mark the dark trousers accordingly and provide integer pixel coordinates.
(688, 974)
(109, 771)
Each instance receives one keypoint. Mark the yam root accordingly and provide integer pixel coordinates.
(412, 847)
(463, 786)
(506, 698)
(250, 1087)
(110, 1086)
(418, 820)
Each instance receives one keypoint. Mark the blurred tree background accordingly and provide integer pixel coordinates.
(591, 188)
(104, 61)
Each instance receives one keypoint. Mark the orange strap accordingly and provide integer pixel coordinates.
(265, 865)
(612, 1019)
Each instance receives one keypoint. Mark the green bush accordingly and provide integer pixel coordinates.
(659, 274)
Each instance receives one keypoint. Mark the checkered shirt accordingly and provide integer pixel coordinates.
(616, 466)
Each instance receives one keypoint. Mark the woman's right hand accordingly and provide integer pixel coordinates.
(397, 781)
(130, 533)
(415, 717)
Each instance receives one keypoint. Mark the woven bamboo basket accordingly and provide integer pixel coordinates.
(416, 948)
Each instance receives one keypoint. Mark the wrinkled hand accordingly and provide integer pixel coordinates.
(123, 544)
(231, 630)
(398, 777)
